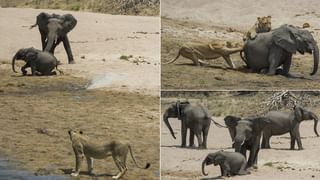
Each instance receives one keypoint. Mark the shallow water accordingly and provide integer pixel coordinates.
(9, 173)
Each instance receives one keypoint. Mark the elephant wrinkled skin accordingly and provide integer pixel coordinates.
(193, 117)
(248, 135)
(271, 50)
(41, 63)
(53, 29)
(231, 163)
(284, 122)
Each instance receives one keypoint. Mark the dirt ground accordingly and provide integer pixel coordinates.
(185, 21)
(104, 96)
(276, 163)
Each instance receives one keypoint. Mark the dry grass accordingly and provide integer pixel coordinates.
(36, 113)
(125, 7)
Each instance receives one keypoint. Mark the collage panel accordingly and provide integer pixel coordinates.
(205, 134)
(75, 101)
(239, 45)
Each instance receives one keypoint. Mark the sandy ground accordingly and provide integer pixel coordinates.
(276, 163)
(184, 21)
(98, 41)
(36, 112)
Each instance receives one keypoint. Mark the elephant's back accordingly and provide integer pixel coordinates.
(47, 62)
(280, 122)
(257, 51)
(197, 113)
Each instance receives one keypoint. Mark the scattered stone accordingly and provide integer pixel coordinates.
(83, 57)
(104, 60)
(313, 176)
(306, 25)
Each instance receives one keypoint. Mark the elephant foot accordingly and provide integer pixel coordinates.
(183, 145)
(191, 145)
(301, 148)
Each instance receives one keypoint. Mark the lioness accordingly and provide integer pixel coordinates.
(83, 147)
(199, 51)
(263, 24)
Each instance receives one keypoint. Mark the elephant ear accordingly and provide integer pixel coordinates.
(260, 123)
(285, 38)
(231, 121)
(31, 56)
(68, 22)
(219, 159)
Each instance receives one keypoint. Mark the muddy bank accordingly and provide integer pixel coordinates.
(8, 171)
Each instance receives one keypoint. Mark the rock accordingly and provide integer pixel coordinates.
(83, 57)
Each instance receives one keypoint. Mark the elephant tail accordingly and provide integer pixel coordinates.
(218, 124)
(32, 26)
(243, 56)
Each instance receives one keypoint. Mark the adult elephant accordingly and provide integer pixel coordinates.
(248, 134)
(54, 29)
(193, 117)
(284, 122)
(41, 63)
(270, 50)
(231, 123)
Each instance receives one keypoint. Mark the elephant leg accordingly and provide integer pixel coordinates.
(229, 61)
(265, 140)
(191, 138)
(297, 137)
(292, 140)
(23, 68)
(286, 67)
(242, 170)
(274, 58)
(226, 169)
(67, 47)
(199, 138)
(43, 40)
(221, 170)
(205, 132)
(183, 133)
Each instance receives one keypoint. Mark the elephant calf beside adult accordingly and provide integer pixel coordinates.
(231, 163)
(284, 122)
(271, 50)
(53, 29)
(248, 135)
(193, 117)
(41, 63)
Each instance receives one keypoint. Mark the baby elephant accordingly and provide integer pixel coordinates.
(41, 63)
(231, 163)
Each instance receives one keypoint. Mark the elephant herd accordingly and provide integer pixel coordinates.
(245, 133)
(53, 29)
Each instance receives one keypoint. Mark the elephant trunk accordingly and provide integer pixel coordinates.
(238, 142)
(315, 117)
(14, 61)
(166, 121)
(52, 36)
(203, 166)
(315, 58)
